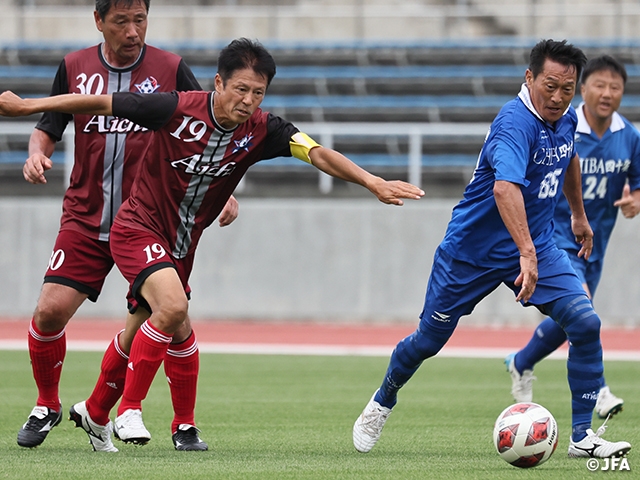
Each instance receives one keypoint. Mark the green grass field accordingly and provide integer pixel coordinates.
(286, 417)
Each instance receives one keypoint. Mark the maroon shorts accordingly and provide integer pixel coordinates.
(138, 254)
(79, 262)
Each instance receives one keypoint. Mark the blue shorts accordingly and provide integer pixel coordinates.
(588, 272)
(456, 287)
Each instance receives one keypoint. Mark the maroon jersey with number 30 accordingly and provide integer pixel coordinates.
(107, 149)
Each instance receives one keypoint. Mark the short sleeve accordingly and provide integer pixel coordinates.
(279, 133)
(185, 79)
(510, 154)
(633, 174)
(54, 123)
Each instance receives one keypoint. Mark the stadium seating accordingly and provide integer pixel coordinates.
(352, 83)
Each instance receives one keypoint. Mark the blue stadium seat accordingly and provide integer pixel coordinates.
(354, 81)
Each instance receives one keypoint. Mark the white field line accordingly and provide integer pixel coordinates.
(328, 350)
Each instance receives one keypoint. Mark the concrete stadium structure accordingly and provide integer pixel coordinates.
(334, 20)
(306, 259)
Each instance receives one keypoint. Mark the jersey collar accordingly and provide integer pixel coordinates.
(583, 126)
(128, 68)
(213, 116)
(525, 96)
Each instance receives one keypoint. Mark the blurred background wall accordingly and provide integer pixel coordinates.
(305, 260)
(406, 89)
(297, 20)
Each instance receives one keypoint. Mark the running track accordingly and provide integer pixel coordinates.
(297, 338)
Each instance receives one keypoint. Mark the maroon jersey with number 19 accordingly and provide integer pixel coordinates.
(193, 164)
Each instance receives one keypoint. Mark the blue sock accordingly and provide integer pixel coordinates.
(546, 339)
(584, 367)
(578, 432)
(408, 355)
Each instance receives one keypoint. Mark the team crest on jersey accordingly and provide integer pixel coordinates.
(149, 85)
(243, 144)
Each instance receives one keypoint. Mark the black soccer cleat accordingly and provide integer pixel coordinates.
(39, 424)
(186, 438)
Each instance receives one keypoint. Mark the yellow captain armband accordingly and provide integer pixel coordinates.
(301, 144)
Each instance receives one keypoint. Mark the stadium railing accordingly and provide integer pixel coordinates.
(325, 133)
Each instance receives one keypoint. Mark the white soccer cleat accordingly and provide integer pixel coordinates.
(130, 428)
(99, 435)
(594, 446)
(368, 426)
(607, 403)
(521, 385)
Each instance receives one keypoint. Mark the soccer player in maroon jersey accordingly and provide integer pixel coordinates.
(107, 153)
(203, 145)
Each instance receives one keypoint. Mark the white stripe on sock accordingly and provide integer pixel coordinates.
(116, 344)
(154, 334)
(184, 353)
(45, 338)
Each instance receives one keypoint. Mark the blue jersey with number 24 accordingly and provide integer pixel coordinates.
(523, 149)
(606, 164)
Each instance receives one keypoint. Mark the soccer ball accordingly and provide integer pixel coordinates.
(525, 435)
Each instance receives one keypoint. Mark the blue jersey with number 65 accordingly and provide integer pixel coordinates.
(524, 149)
(606, 164)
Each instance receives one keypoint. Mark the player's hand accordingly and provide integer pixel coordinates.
(34, 168)
(392, 192)
(11, 105)
(229, 212)
(627, 203)
(584, 235)
(528, 277)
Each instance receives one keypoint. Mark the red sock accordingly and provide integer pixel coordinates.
(47, 352)
(148, 349)
(110, 384)
(181, 365)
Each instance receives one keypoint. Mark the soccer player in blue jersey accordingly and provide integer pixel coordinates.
(609, 149)
(502, 232)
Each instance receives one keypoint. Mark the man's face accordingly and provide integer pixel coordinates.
(236, 100)
(124, 30)
(602, 93)
(552, 90)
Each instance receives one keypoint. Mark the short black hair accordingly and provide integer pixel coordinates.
(558, 51)
(604, 62)
(103, 6)
(243, 53)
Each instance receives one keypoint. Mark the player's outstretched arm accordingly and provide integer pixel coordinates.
(11, 105)
(337, 165)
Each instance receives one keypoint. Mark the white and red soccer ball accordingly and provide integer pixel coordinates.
(525, 435)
